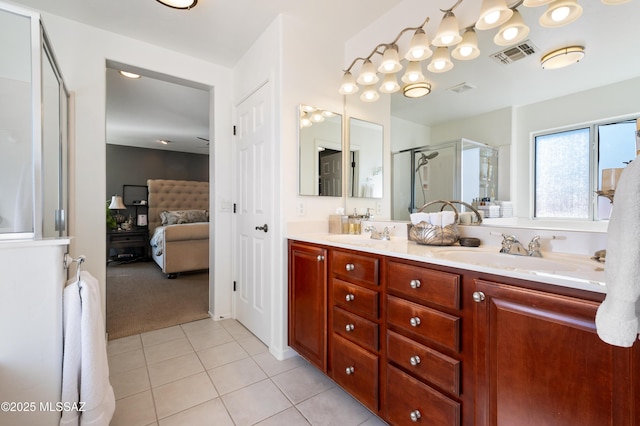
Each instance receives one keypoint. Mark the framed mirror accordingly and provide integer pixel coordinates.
(319, 152)
(366, 152)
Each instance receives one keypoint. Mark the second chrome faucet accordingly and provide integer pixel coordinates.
(511, 245)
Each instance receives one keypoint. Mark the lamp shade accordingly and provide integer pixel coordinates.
(560, 12)
(413, 73)
(369, 94)
(441, 62)
(390, 61)
(116, 203)
(512, 32)
(348, 85)
(367, 74)
(418, 47)
(389, 84)
(448, 32)
(493, 13)
(468, 48)
(179, 4)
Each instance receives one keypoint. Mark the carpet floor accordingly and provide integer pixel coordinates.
(140, 298)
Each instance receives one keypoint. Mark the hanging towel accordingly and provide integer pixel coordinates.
(85, 369)
(617, 316)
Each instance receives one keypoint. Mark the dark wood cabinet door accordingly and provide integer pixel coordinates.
(308, 302)
(539, 362)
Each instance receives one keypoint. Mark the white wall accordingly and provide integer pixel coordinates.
(82, 52)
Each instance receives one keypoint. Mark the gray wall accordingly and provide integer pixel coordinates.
(133, 166)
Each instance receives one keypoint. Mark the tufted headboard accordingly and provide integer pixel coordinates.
(167, 194)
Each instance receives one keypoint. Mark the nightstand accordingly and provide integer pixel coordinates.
(127, 244)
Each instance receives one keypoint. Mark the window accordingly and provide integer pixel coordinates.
(568, 168)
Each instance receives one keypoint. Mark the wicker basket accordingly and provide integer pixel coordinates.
(434, 235)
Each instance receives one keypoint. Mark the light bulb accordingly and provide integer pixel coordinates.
(510, 33)
(439, 65)
(446, 39)
(466, 51)
(417, 53)
(560, 14)
(492, 18)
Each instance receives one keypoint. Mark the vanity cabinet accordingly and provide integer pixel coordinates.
(308, 302)
(354, 314)
(539, 361)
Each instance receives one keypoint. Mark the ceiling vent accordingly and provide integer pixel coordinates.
(515, 53)
(462, 87)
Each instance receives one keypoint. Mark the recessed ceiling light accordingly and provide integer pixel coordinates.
(129, 74)
(179, 4)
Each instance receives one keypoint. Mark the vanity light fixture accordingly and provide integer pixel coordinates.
(468, 48)
(129, 74)
(493, 13)
(512, 32)
(417, 90)
(179, 4)
(561, 58)
(560, 12)
(441, 62)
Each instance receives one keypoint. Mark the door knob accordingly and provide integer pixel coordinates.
(264, 228)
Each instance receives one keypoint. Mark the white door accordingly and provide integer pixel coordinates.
(254, 209)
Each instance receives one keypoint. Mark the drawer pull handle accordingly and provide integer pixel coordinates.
(415, 284)
(320, 258)
(350, 371)
(414, 360)
(350, 267)
(350, 327)
(478, 296)
(349, 297)
(415, 321)
(415, 415)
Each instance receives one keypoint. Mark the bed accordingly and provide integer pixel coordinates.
(179, 225)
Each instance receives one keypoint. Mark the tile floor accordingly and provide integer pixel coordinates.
(218, 373)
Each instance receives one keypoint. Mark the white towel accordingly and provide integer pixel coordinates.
(448, 217)
(85, 371)
(617, 316)
(435, 219)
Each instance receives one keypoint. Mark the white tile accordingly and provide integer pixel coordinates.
(174, 369)
(210, 413)
(208, 338)
(302, 383)
(333, 407)
(125, 344)
(126, 361)
(130, 382)
(235, 375)
(254, 403)
(236, 329)
(253, 345)
(374, 421)
(220, 355)
(135, 410)
(167, 350)
(204, 324)
(161, 336)
(273, 366)
(289, 417)
(183, 394)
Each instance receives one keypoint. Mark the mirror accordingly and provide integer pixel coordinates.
(365, 171)
(320, 152)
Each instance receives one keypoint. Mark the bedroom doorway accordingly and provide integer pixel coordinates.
(139, 114)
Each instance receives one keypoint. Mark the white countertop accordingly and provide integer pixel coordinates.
(562, 269)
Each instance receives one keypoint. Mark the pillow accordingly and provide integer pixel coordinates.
(183, 216)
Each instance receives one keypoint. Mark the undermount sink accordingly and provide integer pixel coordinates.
(506, 261)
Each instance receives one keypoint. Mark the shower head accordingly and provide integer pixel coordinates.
(424, 159)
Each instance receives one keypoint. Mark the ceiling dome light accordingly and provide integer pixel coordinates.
(418, 47)
(561, 58)
(369, 94)
(413, 73)
(441, 62)
(389, 84)
(512, 32)
(560, 12)
(367, 74)
(348, 85)
(493, 13)
(416, 90)
(179, 4)
(468, 48)
(390, 61)
(448, 32)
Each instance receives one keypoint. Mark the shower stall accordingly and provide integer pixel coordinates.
(460, 170)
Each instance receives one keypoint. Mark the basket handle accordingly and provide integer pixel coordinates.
(446, 203)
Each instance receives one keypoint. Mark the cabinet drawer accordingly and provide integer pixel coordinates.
(421, 322)
(355, 298)
(355, 268)
(128, 239)
(425, 363)
(355, 328)
(356, 370)
(425, 284)
(409, 399)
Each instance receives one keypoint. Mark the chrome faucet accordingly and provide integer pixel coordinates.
(511, 245)
(376, 235)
